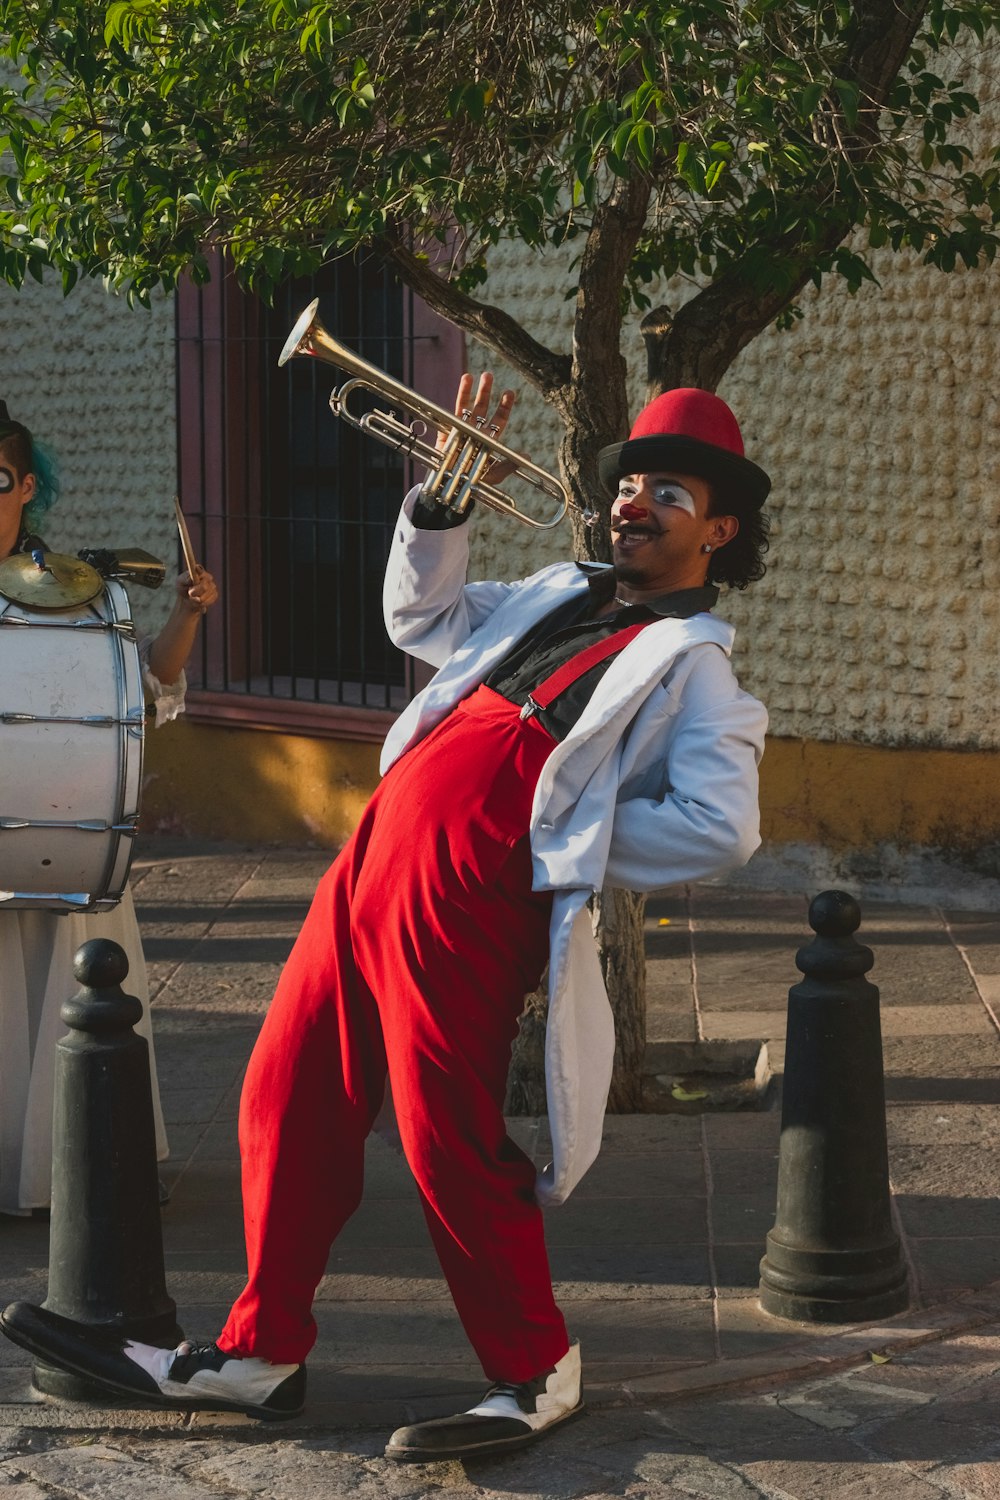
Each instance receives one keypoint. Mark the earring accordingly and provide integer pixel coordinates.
(706, 547)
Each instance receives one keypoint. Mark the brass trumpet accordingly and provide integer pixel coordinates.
(457, 472)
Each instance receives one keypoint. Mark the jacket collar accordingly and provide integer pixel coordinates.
(678, 604)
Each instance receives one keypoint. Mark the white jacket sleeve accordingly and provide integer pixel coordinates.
(708, 820)
(430, 610)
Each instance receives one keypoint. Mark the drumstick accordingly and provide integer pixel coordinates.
(186, 546)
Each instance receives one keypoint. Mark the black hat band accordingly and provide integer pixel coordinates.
(684, 455)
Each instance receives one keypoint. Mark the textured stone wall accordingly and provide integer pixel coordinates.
(94, 379)
(877, 417)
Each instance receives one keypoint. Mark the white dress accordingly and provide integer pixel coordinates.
(36, 976)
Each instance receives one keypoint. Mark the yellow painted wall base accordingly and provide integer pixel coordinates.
(847, 796)
(208, 782)
(204, 781)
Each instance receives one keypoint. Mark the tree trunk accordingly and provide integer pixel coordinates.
(526, 1079)
(618, 926)
(589, 391)
(594, 410)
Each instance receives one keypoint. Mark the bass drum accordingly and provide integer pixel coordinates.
(72, 722)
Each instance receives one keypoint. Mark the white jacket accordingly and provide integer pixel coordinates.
(656, 784)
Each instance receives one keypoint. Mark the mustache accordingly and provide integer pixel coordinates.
(623, 527)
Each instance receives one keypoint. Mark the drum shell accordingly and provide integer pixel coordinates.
(62, 667)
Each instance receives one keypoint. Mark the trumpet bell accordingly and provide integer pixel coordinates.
(298, 336)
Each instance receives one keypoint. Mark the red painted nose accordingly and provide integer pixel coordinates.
(628, 511)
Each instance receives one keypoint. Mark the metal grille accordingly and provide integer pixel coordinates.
(291, 508)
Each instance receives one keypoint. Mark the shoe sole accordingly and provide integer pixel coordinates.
(63, 1360)
(480, 1450)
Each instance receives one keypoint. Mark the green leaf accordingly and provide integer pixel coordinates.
(849, 95)
(644, 99)
(622, 139)
(644, 143)
(713, 174)
(810, 98)
(305, 128)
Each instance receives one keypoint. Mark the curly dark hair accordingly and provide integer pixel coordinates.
(741, 561)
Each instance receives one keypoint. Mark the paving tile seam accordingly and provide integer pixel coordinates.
(713, 1270)
(261, 862)
(954, 1239)
(912, 1268)
(967, 1381)
(938, 1475)
(699, 1029)
(963, 955)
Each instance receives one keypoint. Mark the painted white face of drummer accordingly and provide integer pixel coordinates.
(16, 491)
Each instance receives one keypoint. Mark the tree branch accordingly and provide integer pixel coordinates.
(882, 35)
(697, 345)
(542, 367)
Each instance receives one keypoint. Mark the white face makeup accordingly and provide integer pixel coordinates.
(15, 494)
(662, 492)
(660, 525)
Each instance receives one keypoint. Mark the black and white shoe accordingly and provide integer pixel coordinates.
(192, 1377)
(509, 1416)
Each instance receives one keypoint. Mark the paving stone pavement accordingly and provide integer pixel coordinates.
(692, 1390)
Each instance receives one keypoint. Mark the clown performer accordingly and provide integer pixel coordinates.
(37, 946)
(584, 729)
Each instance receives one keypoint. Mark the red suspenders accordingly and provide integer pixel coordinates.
(549, 688)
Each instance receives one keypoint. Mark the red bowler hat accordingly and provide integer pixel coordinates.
(687, 431)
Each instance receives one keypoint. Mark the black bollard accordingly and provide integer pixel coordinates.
(105, 1239)
(833, 1255)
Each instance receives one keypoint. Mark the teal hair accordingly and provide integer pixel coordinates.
(28, 457)
(46, 472)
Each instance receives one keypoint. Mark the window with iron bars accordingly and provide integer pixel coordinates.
(291, 508)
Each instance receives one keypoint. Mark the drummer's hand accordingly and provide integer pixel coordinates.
(199, 593)
(477, 411)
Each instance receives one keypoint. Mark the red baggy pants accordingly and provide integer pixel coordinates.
(420, 945)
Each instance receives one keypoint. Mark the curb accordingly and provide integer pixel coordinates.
(841, 1350)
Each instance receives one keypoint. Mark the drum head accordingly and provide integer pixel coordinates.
(71, 739)
(60, 583)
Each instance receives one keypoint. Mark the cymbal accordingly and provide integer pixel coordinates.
(60, 583)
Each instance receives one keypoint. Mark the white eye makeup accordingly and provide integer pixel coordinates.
(664, 492)
(6, 480)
